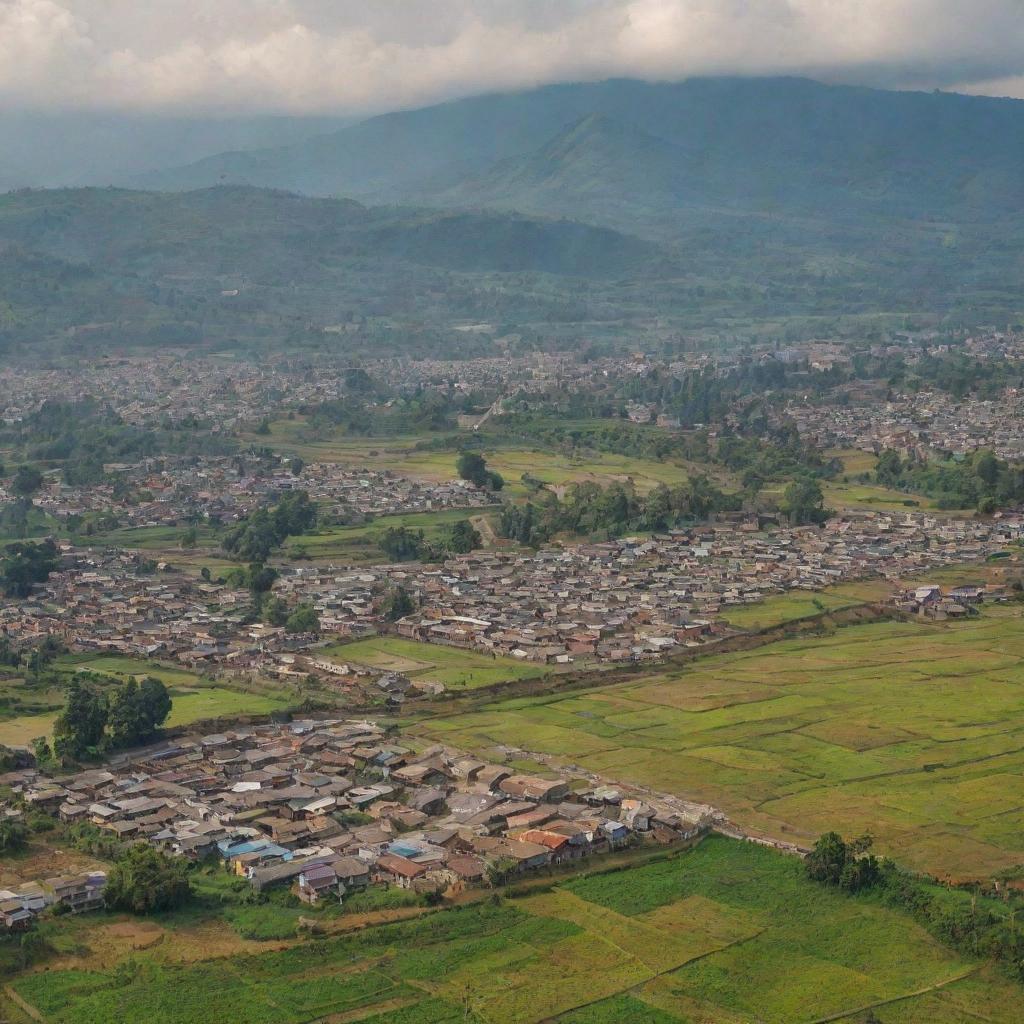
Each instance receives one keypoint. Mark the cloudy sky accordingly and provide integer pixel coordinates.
(358, 56)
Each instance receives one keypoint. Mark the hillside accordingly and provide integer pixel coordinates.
(116, 267)
(779, 197)
(782, 146)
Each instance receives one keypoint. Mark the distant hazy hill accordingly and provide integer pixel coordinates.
(116, 267)
(671, 155)
(45, 149)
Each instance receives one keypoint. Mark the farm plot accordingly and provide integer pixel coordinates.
(453, 667)
(193, 698)
(912, 732)
(727, 931)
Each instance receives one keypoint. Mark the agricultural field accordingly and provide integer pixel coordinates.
(399, 454)
(194, 699)
(359, 544)
(455, 668)
(911, 731)
(725, 932)
(799, 604)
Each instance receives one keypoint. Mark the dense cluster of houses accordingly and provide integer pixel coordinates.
(625, 600)
(176, 491)
(332, 807)
(919, 425)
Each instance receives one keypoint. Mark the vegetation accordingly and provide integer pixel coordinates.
(728, 930)
(145, 881)
(979, 480)
(94, 721)
(266, 529)
(472, 466)
(901, 729)
(402, 544)
(591, 510)
(25, 564)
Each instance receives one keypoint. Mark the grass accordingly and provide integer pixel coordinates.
(725, 932)
(455, 668)
(799, 604)
(913, 732)
(360, 544)
(400, 455)
(194, 699)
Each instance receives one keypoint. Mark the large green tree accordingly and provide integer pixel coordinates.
(143, 881)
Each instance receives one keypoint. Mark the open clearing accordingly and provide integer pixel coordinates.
(799, 604)
(193, 699)
(457, 669)
(400, 455)
(913, 732)
(726, 932)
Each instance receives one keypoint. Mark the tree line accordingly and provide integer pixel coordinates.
(588, 509)
(972, 923)
(95, 721)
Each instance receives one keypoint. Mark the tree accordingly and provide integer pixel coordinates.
(143, 881)
(501, 870)
(260, 579)
(13, 835)
(297, 465)
(26, 481)
(401, 544)
(803, 501)
(826, 861)
(189, 538)
(275, 611)
(397, 605)
(26, 563)
(464, 537)
(137, 711)
(846, 865)
(156, 702)
(80, 727)
(472, 466)
(303, 620)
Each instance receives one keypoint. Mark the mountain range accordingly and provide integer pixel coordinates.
(658, 159)
(614, 207)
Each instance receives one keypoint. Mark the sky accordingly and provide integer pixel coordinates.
(352, 57)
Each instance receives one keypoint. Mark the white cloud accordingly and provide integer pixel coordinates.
(345, 56)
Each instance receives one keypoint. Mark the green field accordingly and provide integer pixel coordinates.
(359, 544)
(399, 454)
(457, 669)
(728, 932)
(193, 698)
(799, 604)
(912, 732)
(349, 544)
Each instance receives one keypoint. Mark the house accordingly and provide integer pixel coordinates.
(398, 870)
(13, 915)
(79, 893)
(317, 882)
(353, 873)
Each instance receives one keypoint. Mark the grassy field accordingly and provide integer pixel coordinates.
(913, 732)
(399, 454)
(350, 544)
(799, 604)
(193, 699)
(359, 544)
(457, 669)
(728, 932)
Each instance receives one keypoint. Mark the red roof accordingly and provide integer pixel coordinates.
(400, 866)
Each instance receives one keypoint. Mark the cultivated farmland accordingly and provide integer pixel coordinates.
(726, 932)
(913, 732)
(455, 668)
